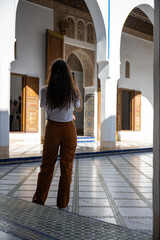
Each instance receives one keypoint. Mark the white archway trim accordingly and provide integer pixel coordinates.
(149, 11)
(7, 26)
(118, 19)
(96, 9)
(86, 58)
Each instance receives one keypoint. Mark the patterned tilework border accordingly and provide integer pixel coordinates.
(21, 182)
(141, 172)
(22, 232)
(6, 173)
(75, 207)
(23, 219)
(114, 208)
(77, 155)
(85, 138)
(89, 115)
(141, 196)
(135, 155)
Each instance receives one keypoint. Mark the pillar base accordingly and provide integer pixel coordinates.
(107, 145)
(4, 152)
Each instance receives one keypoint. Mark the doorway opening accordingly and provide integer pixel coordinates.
(77, 71)
(16, 103)
(24, 103)
(126, 110)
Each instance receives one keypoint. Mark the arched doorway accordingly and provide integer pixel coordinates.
(134, 93)
(77, 71)
(28, 71)
(87, 62)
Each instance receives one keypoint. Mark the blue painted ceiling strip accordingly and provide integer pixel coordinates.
(108, 29)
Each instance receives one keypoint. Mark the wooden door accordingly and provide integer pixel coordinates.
(54, 48)
(99, 110)
(32, 104)
(23, 107)
(137, 110)
(119, 109)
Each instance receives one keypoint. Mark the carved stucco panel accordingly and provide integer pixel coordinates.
(71, 28)
(87, 59)
(80, 30)
(89, 115)
(90, 34)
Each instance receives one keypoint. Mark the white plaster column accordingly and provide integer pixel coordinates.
(7, 27)
(4, 110)
(156, 137)
(108, 106)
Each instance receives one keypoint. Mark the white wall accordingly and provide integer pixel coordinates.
(139, 53)
(31, 23)
(7, 26)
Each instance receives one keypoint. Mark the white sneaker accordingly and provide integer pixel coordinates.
(64, 209)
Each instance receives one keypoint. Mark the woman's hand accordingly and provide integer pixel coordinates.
(74, 118)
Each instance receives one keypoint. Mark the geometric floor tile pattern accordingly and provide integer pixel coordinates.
(116, 189)
(25, 220)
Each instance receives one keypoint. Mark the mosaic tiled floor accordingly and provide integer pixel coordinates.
(24, 220)
(114, 189)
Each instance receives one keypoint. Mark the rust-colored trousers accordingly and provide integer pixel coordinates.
(63, 135)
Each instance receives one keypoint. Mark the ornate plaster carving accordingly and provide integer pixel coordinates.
(87, 59)
(77, 23)
(89, 115)
(71, 28)
(90, 33)
(80, 30)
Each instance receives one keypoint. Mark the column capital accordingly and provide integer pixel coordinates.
(6, 65)
(109, 70)
(109, 80)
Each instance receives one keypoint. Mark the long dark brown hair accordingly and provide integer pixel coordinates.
(62, 90)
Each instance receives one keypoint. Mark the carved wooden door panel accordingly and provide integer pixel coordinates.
(137, 111)
(119, 109)
(32, 104)
(24, 103)
(99, 110)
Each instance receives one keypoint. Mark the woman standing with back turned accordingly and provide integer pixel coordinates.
(60, 98)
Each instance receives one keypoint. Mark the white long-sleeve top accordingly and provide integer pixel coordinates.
(58, 115)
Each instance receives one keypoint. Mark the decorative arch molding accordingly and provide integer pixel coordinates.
(9, 36)
(90, 33)
(101, 34)
(86, 58)
(17, 2)
(145, 6)
(148, 10)
(71, 28)
(80, 30)
(100, 29)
